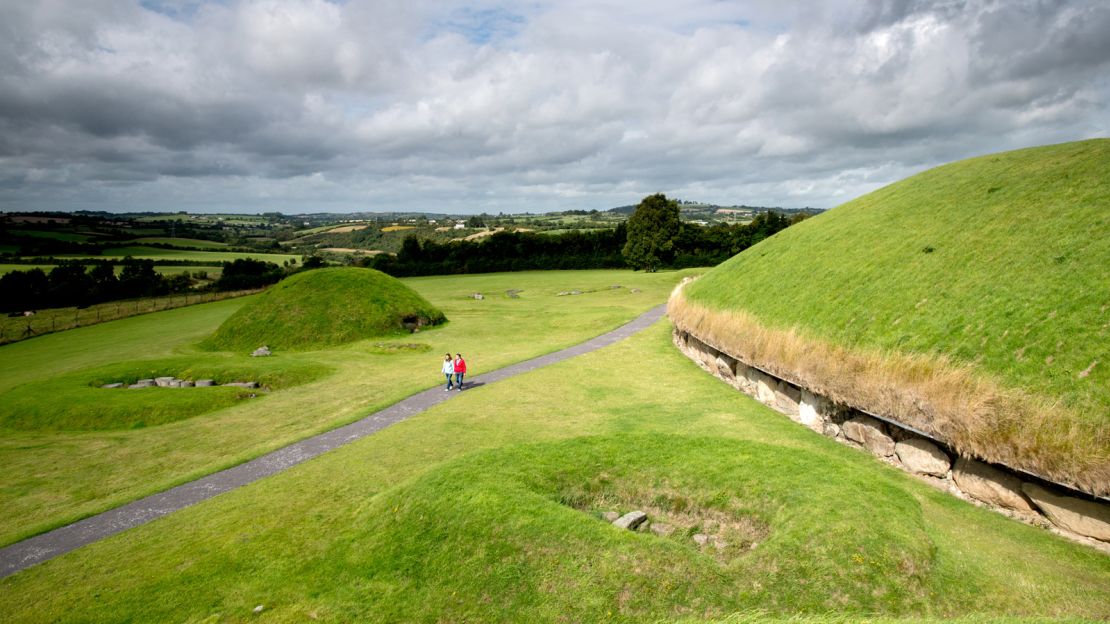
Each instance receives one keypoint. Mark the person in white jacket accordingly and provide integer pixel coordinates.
(448, 369)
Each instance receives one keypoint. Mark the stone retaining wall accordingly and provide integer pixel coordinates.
(1018, 495)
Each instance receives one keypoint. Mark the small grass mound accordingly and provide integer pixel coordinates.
(76, 402)
(500, 534)
(325, 307)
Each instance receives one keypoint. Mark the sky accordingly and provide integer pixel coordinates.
(531, 106)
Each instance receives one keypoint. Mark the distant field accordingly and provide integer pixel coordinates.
(180, 242)
(156, 253)
(213, 271)
(72, 237)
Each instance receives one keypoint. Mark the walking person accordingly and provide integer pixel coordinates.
(460, 371)
(448, 369)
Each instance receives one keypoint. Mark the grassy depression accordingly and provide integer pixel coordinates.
(989, 276)
(326, 307)
(77, 402)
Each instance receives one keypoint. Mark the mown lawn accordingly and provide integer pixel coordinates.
(64, 471)
(486, 509)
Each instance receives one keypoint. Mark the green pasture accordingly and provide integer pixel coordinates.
(157, 253)
(179, 242)
(1001, 261)
(487, 508)
(62, 472)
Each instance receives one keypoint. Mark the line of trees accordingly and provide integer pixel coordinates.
(654, 237)
(83, 283)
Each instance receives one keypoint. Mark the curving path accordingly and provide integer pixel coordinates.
(48, 545)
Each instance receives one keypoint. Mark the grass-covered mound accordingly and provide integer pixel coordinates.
(510, 535)
(77, 402)
(972, 299)
(325, 307)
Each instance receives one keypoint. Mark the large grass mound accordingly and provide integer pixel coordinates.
(325, 307)
(996, 267)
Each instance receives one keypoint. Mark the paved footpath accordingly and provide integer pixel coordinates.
(46, 546)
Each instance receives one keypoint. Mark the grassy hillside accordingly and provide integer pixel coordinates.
(486, 510)
(998, 265)
(326, 307)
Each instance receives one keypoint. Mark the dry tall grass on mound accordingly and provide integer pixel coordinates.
(956, 404)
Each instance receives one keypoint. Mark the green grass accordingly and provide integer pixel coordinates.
(180, 242)
(51, 477)
(325, 307)
(1002, 262)
(483, 509)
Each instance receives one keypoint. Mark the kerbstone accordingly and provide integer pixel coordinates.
(1074, 514)
(869, 432)
(990, 485)
(923, 457)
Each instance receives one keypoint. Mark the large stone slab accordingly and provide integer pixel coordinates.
(870, 433)
(163, 382)
(765, 387)
(923, 457)
(787, 398)
(726, 366)
(1074, 514)
(990, 485)
(630, 520)
(810, 410)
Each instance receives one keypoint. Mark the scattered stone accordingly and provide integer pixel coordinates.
(262, 351)
(112, 385)
(1074, 514)
(634, 290)
(205, 383)
(662, 529)
(701, 539)
(869, 432)
(478, 296)
(719, 543)
(514, 293)
(576, 292)
(162, 382)
(615, 286)
(630, 520)
(831, 429)
(611, 516)
(923, 457)
(259, 609)
(990, 485)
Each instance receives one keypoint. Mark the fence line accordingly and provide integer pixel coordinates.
(14, 329)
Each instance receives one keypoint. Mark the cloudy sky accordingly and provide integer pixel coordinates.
(313, 106)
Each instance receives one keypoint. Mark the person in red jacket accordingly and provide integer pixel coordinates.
(460, 370)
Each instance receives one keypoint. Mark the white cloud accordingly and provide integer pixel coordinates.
(381, 105)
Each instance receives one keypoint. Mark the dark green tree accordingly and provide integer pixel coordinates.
(652, 230)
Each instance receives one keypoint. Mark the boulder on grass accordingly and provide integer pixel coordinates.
(630, 520)
(262, 351)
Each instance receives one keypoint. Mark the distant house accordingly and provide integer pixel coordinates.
(459, 226)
